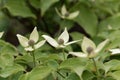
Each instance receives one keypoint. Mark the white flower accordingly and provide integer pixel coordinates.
(1, 34)
(89, 48)
(30, 44)
(65, 14)
(115, 51)
(62, 40)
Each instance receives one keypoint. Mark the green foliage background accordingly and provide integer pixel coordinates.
(98, 20)
(94, 19)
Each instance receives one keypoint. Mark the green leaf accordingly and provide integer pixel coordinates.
(25, 59)
(90, 65)
(108, 25)
(109, 78)
(6, 60)
(4, 21)
(19, 8)
(86, 19)
(73, 76)
(112, 65)
(87, 75)
(16, 75)
(39, 73)
(53, 64)
(7, 52)
(75, 64)
(66, 23)
(7, 71)
(45, 4)
(116, 75)
(35, 3)
(24, 77)
(76, 36)
(7, 48)
(114, 43)
(114, 35)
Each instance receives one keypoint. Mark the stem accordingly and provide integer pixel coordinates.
(95, 65)
(61, 74)
(33, 55)
(10, 78)
(63, 54)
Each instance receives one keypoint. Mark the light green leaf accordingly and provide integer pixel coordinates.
(75, 64)
(53, 64)
(19, 8)
(115, 43)
(6, 60)
(7, 48)
(7, 71)
(116, 75)
(86, 19)
(7, 52)
(108, 25)
(24, 77)
(45, 4)
(112, 65)
(114, 35)
(39, 73)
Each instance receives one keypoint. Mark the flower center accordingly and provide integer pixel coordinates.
(66, 14)
(31, 42)
(89, 50)
(60, 41)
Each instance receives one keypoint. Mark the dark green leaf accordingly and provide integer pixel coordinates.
(19, 8)
(45, 4)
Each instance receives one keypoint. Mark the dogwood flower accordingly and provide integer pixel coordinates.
(65, 14)
(1, 34)
(89, 48)
(31, 43)
(62, 40)
(115, 51)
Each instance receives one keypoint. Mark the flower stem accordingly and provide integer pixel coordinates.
(33, 55)
(95, 65)
(64, 57)
(61, 74)
(10, 78)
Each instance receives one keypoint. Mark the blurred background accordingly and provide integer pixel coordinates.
(97, 19)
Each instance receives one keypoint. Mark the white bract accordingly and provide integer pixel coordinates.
(1, 34)
(31, 43)
(65, 14)
(89, 48)
(115, 51)
(63, 40)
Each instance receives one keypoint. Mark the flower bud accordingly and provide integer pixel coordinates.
(89, 50)
(31, 42)
(66, 14)
(60, 41)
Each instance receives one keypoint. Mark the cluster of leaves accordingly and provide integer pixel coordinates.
(97, 19)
